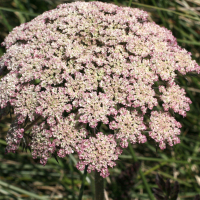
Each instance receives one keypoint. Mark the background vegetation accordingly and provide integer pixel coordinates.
(21, 177)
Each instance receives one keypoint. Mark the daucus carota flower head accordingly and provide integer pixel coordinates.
(83, 66)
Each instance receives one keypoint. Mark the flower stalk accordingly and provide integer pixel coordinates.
(99, 186)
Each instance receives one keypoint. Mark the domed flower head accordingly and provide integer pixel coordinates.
(85, 65)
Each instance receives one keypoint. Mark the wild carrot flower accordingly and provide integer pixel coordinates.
(81, 66)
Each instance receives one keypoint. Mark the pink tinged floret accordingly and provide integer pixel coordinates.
(95, 108)
(25, 102)
(174, 98)
(51, 121)
(20, 133)
(53, 102)
(41, 145)
(98, 153)
(164, 129)
(128, 126)
(66, 134)
(13, 137)
(7, 89)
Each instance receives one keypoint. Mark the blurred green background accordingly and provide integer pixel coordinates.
(21, 177)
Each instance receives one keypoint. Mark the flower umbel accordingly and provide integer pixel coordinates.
(98, 153)
(87, 65)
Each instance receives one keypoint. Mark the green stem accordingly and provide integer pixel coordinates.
(99, 186)
(83, 183)
(151, 197)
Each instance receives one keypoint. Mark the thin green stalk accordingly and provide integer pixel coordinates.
(83, 183)
(146, 185)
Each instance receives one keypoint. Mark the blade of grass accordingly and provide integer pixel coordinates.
(14, 194)
(152, 169)
(166, 10)
(171, 177)
(129, 4)
(188, 28)
(188, 139)
(20, 190)
(183, 33)
(189, 42)
(196, 81)
(187, 8)
(186, 147)
(177, 21)
(151, 197)
(194, 1)
(23, 12)
(2, 191)
(160, 14)
(5, 21)
(21, 7)
(20, 17)
(155, 159)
